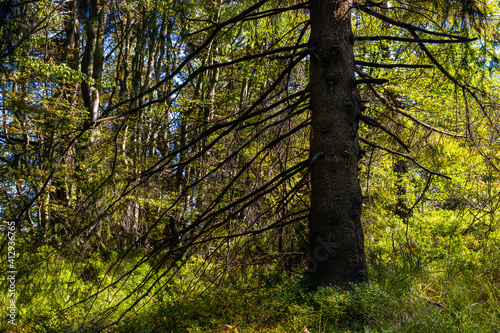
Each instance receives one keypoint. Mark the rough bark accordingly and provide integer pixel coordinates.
(337, 254)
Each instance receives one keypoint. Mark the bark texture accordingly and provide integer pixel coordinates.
(336, 237)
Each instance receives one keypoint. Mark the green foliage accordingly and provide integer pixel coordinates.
(168, 190)
(399, 299)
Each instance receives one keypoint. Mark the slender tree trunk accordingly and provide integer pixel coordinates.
(336, 238)
(401, 169)
(93, 57)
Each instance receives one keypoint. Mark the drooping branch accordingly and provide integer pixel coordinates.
(191, 77)
(371, 81)
(413, 40)
(455, 81)
(412, 29)
(385, 101)
(374, 123)
(231, 156)
(407, 26)
(404, 156)
(377, 65)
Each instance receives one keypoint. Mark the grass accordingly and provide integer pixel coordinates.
(367, 308)
(395, 303)
(435, 280)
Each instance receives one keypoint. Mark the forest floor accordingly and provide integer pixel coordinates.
(396, 299)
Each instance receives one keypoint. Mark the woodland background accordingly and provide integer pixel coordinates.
(154, 158)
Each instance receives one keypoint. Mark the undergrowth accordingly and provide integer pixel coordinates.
(392, 302)
(424, 277)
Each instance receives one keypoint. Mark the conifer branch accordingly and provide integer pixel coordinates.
(413, 40)
(371, 81)
(404, 156)
(376, 65)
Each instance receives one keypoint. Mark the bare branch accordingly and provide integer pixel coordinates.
(407, 26)
(404, 156)
(374, 123)
(374, 64)
(371, 81)
(414, 40)
(391, 107)
(455, 81)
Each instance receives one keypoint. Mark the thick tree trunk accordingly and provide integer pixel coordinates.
(336, 237)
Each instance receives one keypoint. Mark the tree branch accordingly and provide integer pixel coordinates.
(371, 81)
(454, 80)
(374, 64)
(404, 156)
(407, 26)
(374, 123)
(391, 107)
(414, 40)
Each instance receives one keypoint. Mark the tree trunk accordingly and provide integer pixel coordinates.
(401, 169)
(336, 238)
(93, 56)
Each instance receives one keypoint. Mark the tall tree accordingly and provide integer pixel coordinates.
(336, 236)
